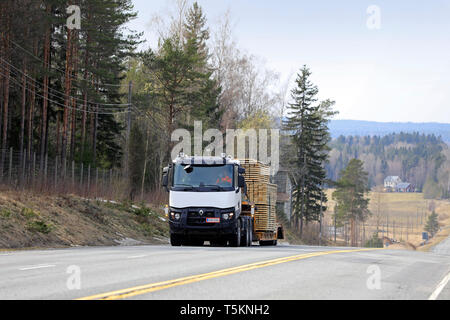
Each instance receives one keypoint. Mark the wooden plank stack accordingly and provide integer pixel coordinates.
(262, 193)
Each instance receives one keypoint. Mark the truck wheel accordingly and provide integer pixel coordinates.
(245, 235)
(250, 234)
(268, 242)
(175, 240)
(236, 240)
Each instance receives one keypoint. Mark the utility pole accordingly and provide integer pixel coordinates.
(393, 236)
(320, 216)
(335, 228)
(387, 225)
(407, 228)
(127, 151)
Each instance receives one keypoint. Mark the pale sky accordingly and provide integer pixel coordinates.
(399, 72)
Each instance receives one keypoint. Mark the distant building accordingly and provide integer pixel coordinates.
(404, 187)
(395, 184)
(391, 182)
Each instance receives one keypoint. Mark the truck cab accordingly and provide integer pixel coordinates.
(205, 201)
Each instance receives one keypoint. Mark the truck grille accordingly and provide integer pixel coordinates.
(195, 219)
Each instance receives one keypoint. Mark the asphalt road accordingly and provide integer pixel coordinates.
(282, 272)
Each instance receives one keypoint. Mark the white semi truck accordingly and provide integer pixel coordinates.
(208, 202)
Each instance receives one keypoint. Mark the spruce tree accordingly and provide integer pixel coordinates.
(203, 91)
(307, 127)
(432, 226)
(350, 196)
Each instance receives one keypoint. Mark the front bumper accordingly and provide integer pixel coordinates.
(192, 224)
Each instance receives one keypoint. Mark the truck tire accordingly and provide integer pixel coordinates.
(175, 240)
(245, 234)
(250, 233)
(268, 242)
(236, 239)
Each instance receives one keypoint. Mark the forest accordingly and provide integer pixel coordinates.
(89, 98)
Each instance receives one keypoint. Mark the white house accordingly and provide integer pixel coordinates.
(392, 181)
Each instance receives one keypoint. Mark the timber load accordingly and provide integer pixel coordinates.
(262, 194)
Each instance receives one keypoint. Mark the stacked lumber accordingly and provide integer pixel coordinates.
(262, 193)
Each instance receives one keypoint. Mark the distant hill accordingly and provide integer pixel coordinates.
(364, 128)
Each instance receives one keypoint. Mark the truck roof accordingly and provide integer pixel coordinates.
(204, 160)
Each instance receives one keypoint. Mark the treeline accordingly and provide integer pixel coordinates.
(416, 158)
(60, 88)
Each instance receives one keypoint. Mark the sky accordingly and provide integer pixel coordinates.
(379, 60)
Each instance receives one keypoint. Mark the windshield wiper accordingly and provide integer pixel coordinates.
(184, 186)
(212, 186)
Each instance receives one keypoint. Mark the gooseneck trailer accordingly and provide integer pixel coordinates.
(221, 200)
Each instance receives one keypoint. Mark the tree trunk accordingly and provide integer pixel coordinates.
(6, 80)
(74, 102)
(84, 116)
(45, 93)
(67, 100)
(145, 165)
(22, 118)
(58, 132)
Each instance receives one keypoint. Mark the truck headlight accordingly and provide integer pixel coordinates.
(226, 216)
(177, 216)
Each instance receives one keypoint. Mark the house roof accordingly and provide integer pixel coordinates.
(403, 185)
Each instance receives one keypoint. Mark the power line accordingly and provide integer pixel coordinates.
(39, 85)
(60, 70)
(21, 85)
(89, 102)
(59, 104)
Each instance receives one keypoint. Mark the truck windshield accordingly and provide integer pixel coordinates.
(216, 177)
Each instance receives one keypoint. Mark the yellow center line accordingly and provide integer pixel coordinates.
(143, 289)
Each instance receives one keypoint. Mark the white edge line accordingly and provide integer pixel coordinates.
(37, 267)
(439, 288)
(140, 256)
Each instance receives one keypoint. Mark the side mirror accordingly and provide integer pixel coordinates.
(165, 178)
(241, 170)
(241, 182)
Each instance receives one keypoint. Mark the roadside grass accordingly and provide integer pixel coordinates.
(439, 237)
(32, 220)
(29, 213)
(5, 213)
(40, 226)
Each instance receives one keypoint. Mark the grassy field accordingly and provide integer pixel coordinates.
(399, 216)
